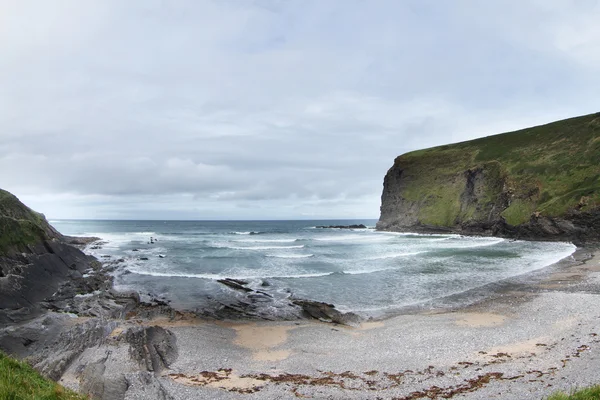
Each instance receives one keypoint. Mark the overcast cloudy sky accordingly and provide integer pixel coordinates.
(268, 109)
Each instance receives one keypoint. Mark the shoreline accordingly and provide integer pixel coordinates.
(521, 344)
(525, 337)
(528, 344)
(447, 303)
(450, 301)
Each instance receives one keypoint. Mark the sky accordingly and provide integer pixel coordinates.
(269, 109)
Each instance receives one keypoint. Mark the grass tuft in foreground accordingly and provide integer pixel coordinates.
(591, 393)
(18, 381)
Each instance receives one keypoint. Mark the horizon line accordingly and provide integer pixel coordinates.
(209, 220)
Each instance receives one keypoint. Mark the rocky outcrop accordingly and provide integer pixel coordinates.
(256, 304)
(153, 347)
(355, 226)
(39, 267)
(539, 183)
(327, 313)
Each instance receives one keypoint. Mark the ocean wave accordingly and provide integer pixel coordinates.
(481, 242)
(265, 240)
(222, 276)
(340, 238)
(246, 233)
(395, 255)
(365, 271)
(264, 247)
(290, 255)
(424, 235)
(359, 271)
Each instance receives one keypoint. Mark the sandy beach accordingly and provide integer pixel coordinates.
(524, 341)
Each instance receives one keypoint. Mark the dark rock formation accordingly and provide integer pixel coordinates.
(539, 183)
(256, 304)
(96, 385)
(327, 313)
(235, 284)
(35, 262)
(154, 348)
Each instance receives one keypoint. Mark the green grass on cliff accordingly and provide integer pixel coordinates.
(18, 381)
(19, 225)
(591, 393)
(548, 170)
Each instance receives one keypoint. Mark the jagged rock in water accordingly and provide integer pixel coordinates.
(235, 284)
(359, 226)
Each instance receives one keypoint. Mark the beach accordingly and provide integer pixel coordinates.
(526, 340)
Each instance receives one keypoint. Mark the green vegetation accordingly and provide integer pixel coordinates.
(18, 381)
(591, 393)
(547, 170)
(19, 225)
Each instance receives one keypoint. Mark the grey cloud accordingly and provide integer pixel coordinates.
(282, 109)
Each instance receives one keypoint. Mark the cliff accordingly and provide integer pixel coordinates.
(57, 305)
(537, 183)
(35, 262)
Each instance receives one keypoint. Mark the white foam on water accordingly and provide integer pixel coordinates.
(263, 247)
(340, 238)
(290, 255)
(538, 259)
(423, 235)
(468, 244)
(395, 255)
(219, 276)
(265, 240)
(365, 271)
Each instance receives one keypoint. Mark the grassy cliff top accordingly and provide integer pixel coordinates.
(19, 381)
(20, 226)
(548, 169)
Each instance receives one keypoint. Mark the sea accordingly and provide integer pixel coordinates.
(369, 272)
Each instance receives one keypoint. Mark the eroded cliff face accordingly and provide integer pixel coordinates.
(35, 261)
(538, 183)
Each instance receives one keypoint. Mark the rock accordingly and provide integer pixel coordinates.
(54, 350)
(235, 284)
(80, 241)
(360, 226)
(148, 386)
(28, 279)
(98, 386)
(154, 348)
(327, 313)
